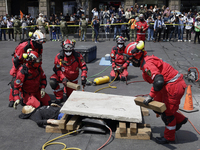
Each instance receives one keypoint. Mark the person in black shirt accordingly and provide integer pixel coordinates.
(43, 116)
(158, 28)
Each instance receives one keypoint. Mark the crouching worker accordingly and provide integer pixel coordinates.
(31, 82)
(119, 63)
(168, 87)
(66, 67)
(44, 115)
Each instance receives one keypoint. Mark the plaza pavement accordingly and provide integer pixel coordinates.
(18, 134)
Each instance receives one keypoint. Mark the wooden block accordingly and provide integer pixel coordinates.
(63, 120)
(144, 132)
(124, 136)
(122, 127)
(145, 111)
(71, 124)
(154, 105)
(54, 129)
(133, 128)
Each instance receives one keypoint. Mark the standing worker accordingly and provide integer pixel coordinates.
(83, 26)
(141, 26)
(131, 23)
(17, 29)
(41, 24)
(168, 87)
(119, 63)
(66, 68)
(63, 28)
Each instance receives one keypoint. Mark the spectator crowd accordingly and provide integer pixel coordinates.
(163, 24)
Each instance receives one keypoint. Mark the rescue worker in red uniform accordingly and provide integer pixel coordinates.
(119, 63)
(168, 87)
(31, 81)
(67, 64)
(141, 27)
(35, 44)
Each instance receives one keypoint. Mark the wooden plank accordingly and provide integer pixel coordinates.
(122, 127)
(144, 133)
(54, 129)
(71, 124)
(133, 128)
(145, 111)
(154, 105)
(63, 120)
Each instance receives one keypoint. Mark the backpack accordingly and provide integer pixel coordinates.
(22, 41)
(16, 23)
(63, 24)
(84, 23)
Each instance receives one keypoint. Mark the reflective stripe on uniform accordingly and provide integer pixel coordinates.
(57, 90)
(141, 33)
(171, 127)
(74, 80)
(174, 78)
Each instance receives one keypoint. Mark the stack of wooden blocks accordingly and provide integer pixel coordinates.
(127, 130)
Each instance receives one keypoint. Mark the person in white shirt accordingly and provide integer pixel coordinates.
(95, 13)
(10, 29)
(188, 27)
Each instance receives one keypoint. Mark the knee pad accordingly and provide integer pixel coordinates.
(167, 119)
(53, 83)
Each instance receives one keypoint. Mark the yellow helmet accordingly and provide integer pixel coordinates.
(28, 109)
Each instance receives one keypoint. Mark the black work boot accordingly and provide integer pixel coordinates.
(11, 103)
(162, 140)
(179, 125)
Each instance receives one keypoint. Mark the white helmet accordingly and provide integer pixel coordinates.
(39, 37)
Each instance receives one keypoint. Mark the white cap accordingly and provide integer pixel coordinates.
(41, 14)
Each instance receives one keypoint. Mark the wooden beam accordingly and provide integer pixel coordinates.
(54, 129)
(71, 124)
(122, 127)
(154, 105)
(133, 128)
(63, 120)
(145, 111)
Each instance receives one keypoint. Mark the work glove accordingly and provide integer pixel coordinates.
(64, 81)
(115, 69)
(121, 69)
(147, 100)
(83, 81)
(42, 93)
(16, 103)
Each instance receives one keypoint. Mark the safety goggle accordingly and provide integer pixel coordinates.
(68, 47)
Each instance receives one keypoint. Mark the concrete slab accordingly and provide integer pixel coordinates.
(106, 106)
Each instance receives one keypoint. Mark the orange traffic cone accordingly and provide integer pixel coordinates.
(188, 105)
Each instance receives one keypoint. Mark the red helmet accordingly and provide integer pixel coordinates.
(33, 59)
(120, 39)
(135, 49)
(135, 52)
(68, 45)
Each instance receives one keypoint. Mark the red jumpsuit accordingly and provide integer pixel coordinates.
(118, 60)
(67, 67)
(30, 81)
(170, 94)
(141, 29)
(18, 59)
